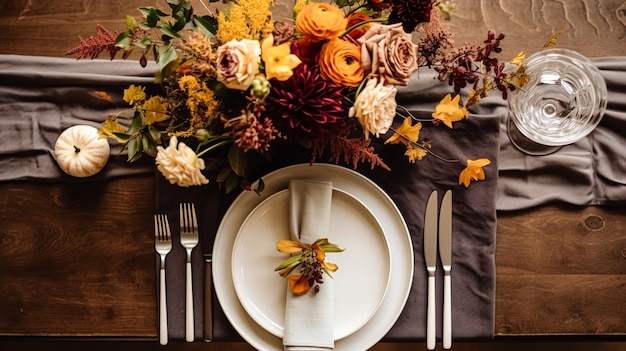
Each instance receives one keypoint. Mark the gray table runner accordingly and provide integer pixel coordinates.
(40, 97)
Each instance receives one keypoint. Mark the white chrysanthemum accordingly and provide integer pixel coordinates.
(375, 107)
(180, 165)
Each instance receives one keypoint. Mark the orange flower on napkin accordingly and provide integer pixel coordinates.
(312, 260)
(473, 171)
(448, 110)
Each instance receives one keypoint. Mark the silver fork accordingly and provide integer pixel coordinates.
(189, 240)
(163, 245)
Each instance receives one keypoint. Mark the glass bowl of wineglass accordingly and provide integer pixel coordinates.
(563, 101)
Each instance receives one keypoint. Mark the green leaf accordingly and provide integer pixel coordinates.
(124, 41)
(331, 248)
(231, 183)
(131, 23)
(122, 136)
(136, 125)
(155, 133)
(134, 149)
(152, 18)
(290, 262)
(169, 31)
(238, 160)
(148, 146)
(224, 174)
(260, 187)
(166, 56)
(146, 10)
(144, 42)
(207, 25)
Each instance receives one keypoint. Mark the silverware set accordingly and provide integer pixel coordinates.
(189, 237)
(438, 234)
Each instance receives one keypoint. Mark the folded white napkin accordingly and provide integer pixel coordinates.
(309, 318)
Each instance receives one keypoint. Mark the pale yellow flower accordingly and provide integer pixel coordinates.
(279, 61)
(375, 107)
(180, 165)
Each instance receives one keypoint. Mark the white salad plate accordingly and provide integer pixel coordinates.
(359, 284)
(367, 192)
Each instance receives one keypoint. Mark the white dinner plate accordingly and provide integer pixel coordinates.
(359, 284)
(374, 198)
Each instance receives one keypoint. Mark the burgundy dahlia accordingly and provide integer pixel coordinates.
(305, 107)
(410, 13)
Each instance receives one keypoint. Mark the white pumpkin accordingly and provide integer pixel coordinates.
(80, 152)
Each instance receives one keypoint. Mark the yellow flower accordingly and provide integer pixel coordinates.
(414, 153)
(448, 110)
(473, 171)
(156, 110)
(134, 94)
(312, 260)
(279, 61)
(407, 130)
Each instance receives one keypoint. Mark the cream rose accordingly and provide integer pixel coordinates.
(180, 165)
(375, 107)
(387, 51)
(238, 63)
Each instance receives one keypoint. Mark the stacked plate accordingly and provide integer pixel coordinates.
(375, 270)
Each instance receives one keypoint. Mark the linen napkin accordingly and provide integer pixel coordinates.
(309, 318)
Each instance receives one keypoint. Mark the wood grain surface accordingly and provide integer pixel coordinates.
(560, 269)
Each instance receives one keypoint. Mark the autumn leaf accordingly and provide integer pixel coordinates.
(104, 95)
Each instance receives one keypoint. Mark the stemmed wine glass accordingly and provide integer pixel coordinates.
(563, 102)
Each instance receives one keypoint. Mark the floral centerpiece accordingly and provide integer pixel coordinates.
(237, 82)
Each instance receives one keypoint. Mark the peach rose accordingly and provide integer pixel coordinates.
(387, 51)
(340, 61)
(320, 21)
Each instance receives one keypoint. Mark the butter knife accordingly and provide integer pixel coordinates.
(445, 254)
(430, 257)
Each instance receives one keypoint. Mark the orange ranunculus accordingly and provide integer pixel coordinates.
(320, 21)
(340, 61)
(355, 18)
(308, 50)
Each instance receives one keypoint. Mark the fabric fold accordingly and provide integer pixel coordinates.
(309, 318)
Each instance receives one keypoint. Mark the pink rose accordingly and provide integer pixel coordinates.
(238, 63)
(388, 52)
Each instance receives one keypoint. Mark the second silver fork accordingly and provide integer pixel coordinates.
(189, 240)
(163, 246)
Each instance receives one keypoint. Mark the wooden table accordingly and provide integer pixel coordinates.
(561, 270)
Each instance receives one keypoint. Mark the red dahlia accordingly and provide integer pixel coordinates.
(410, 13)
(305, 107)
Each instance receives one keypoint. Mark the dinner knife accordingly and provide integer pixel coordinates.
(430, 257)
(206, 243)
(445, 254)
